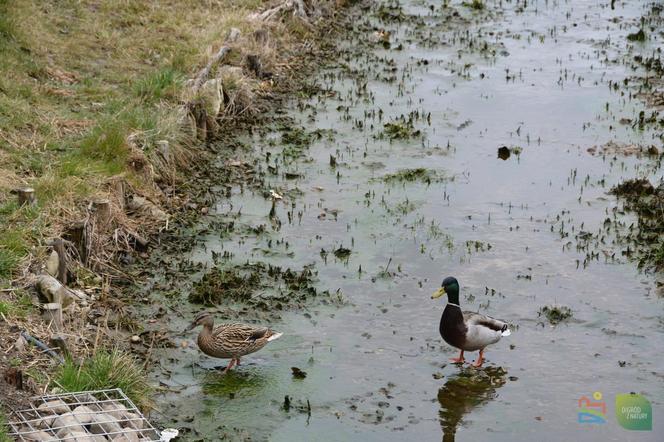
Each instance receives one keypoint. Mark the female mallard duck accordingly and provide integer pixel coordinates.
(467, 331)
(230, 341)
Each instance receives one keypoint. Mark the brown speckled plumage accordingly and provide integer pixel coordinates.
(231, 340)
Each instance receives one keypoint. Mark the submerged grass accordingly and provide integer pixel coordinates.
(646, 241)
(555, 314)
(107, 369)
(419, 174)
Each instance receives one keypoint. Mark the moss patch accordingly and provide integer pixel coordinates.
(555, 314)
(259, 285)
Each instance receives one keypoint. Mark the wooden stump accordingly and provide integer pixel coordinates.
(102, 210)
(200, 116)
(254, 65)
(78, 234)
(52, 314)
(26, 195)
(14, 376)
(261, 36)
(59, 247)
(118, 187)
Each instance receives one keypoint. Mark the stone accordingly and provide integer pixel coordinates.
(115, 409)
(105, 423)
(133, 420)
(82, 436)
(128, 436)
(45, 423)
(56, 406)
(37, 435)
(83, 414)
(64, 433)
(211, 96)
(53, 264)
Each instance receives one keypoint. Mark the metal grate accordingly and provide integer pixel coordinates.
(101, 415)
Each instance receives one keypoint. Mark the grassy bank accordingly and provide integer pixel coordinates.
(87, 88)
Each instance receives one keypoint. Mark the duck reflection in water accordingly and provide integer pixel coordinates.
(464, 392)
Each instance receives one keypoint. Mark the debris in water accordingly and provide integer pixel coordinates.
(555, 314)
(298, 374)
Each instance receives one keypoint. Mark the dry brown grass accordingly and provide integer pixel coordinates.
(89, 90)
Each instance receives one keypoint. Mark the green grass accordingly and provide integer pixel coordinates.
(158, 85)
(17, 308)
(15, 232)
(3, 428)
(107, 369)
(477, 5)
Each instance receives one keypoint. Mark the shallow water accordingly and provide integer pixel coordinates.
(376, 367)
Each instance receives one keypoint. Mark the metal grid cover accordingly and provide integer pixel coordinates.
(94, 416)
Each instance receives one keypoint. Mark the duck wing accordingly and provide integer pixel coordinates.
(478, 319)
(237, 332)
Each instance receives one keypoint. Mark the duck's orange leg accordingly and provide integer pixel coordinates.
(459, 360)
(480, 360)
(237, 361)
(230, 365)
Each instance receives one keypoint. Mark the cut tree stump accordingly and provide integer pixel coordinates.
(26, 195)
(102, 211)
(59, 247)
(14, 377)
(52, 314)
(78, 234)
(118, 187)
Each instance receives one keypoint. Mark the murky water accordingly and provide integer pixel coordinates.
(534, 76)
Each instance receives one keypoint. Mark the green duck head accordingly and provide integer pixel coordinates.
(450, 286)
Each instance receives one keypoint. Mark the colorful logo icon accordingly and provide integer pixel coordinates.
(592, 411)
(634, 412)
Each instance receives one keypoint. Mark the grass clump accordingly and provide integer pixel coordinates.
(555, 314)
(401, 130)
(3, 424)
(419, 174)
(646, 241)
(104, 370)
(637, 36)
(159, 85)
(259, 285)
(477, 5)
(19, 307)
(222, 284)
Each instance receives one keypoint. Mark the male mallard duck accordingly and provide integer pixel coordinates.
(467, 331)
(230, 341)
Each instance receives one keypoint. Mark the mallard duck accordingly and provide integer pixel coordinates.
(467, 331)
(232, 340)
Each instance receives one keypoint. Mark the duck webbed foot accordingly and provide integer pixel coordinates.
(459, 360)
(480, 360)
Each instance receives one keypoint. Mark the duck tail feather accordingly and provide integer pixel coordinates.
(274, 337)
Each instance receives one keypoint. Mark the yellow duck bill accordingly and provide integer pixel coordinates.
(438, 293)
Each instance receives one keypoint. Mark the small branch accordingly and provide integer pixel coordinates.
(204, 73)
